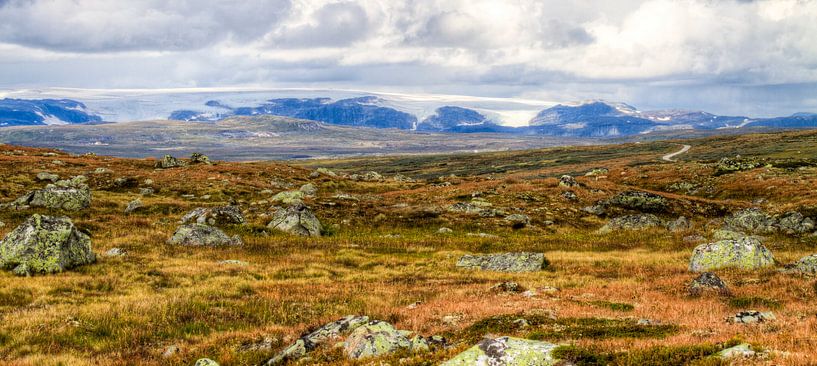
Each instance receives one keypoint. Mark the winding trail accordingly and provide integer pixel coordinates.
(670, 156)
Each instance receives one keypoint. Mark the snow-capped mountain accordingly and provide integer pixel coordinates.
(23, 112)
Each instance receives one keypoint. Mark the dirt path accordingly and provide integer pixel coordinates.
(669, 157)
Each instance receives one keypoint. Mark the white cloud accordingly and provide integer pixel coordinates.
(573, 49)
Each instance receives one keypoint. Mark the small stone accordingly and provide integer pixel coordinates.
(743, 350)
(570, 196)
(506, 351)
(233, 262)
(507, 287)
(452, 319)
(751, 317)
(568, 181)
(133, 206)
(202, 235)
(518, 221)
(289, 197)
(444, 230)
(199, 158)
(116, 252)
(708, 281)
(146, 191)
(309, 189)
(170, 351)
(47, 176)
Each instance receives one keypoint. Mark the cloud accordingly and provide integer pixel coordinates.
(628, 49)
(114, 26)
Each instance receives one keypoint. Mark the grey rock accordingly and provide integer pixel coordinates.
(570, 196)
(202, 235)
(706, 282)
(312, 340)
(45, 244)
(206, 362)
(168, 162)
(639, 201)
(794, 223)
(309, 189)
(146, 191)
(568, 181)
(743, 350)
(806, 265)
(233, 262)
(506, 351)
(289, 197)
(518, 221)
(444, 230)
(222, 215)
(678, 225)
(466, 208)
(116, 252)
(376, 338)
(71, 195)
(751, 317)
(751, 220)
(597, 210)
(595, 172)
(199, 158)
(296, 219)
(746, 253)
(326, 172)
(504, 262)
(632, 222)
(134, 205)
(47, 176)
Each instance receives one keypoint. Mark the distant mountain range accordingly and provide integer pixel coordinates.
(25, 112)
(589, 119)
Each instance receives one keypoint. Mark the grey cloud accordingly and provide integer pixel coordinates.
(102, 26)
(334, 25)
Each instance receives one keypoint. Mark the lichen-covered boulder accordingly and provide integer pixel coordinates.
(506, 351)
(289, 197)
(297, 219)
(202, 235)
(314, 339)
(47, 176)
(168, 162)
(736, 164)
(724, 234)
(518, 221)
(806, 265)
(639, 201)
(794, 223)
(206, 362)
(504, 262)
(375, 338)
(199, 158)
(751, 220)
(70, 195)
(632, 222)
(745, 253)
(705, 282)
(45, 244)
(222, 215)
(309, 189)
(568, 181)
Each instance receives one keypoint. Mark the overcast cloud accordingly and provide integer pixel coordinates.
(739, 57)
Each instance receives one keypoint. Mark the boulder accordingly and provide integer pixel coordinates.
(639, 201)
(199, 158)
(632, 222)
(742, 350)
(297, 219)
(568, 181)
(506, 351)
(806, 265)
(794, 223)
(134, 205)
(309, 189)
(751, 220)
(71, 195)
(705, 282)
(47, 176)
(376, 338)
(289, 197)
(222, 215)
(504, 262)
(45, 244)
(751, 317)
(746, 253)
(168, 162)
(202, 235)
(314, 339)
(518, 221)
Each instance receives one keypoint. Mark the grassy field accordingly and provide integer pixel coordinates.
(382, 253)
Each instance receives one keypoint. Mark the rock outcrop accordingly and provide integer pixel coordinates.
(297, 219)
(745, 253)
(168, 162)
(45, 244)
(504, 262)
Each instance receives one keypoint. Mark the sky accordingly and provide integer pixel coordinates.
(755, 58)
